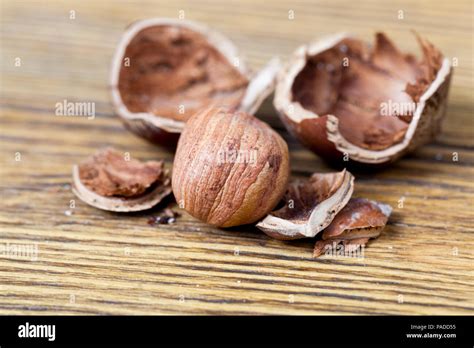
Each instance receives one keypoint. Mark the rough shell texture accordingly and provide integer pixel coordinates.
(230, 168)
(310, 206)
(109, 173)
(109, 182)
(360, 220)
(338, 96)
(165, 70)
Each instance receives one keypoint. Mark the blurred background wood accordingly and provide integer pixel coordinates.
(93, 262)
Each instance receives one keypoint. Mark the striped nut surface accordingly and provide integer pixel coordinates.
(230, 168)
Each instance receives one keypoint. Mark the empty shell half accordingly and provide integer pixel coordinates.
(310, 206)
(339, 96)
(110, 181)
(164, 70)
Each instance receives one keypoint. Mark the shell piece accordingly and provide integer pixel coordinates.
(108, 182)
(230, 168)
(310, 206)
(260, 87)
(166, 70)
(108, 173)
(360, 220)
(339, 96)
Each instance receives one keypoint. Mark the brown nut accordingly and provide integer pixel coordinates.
(338, 96)
(165, 70)
(230, 168)
(360, 220)
(310, 206)
(110, 182)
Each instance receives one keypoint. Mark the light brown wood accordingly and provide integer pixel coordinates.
(94, 262)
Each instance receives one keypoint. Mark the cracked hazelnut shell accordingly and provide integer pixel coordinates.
(360, 220)
(109, 182)
(164, 70)
(310, 206)
(230, 168)
(332, 93)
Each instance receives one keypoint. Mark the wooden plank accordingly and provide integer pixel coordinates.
(94, 262)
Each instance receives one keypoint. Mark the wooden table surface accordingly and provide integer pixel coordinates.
(93, 262)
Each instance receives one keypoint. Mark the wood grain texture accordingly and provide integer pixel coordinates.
(94, 262)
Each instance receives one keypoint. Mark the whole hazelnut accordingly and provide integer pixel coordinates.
(230, 168)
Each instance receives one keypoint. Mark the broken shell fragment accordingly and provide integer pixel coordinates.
(168, 216)
(339, 96)
(360, 220)
(108, 181)
(310, 206)
(165, 70)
